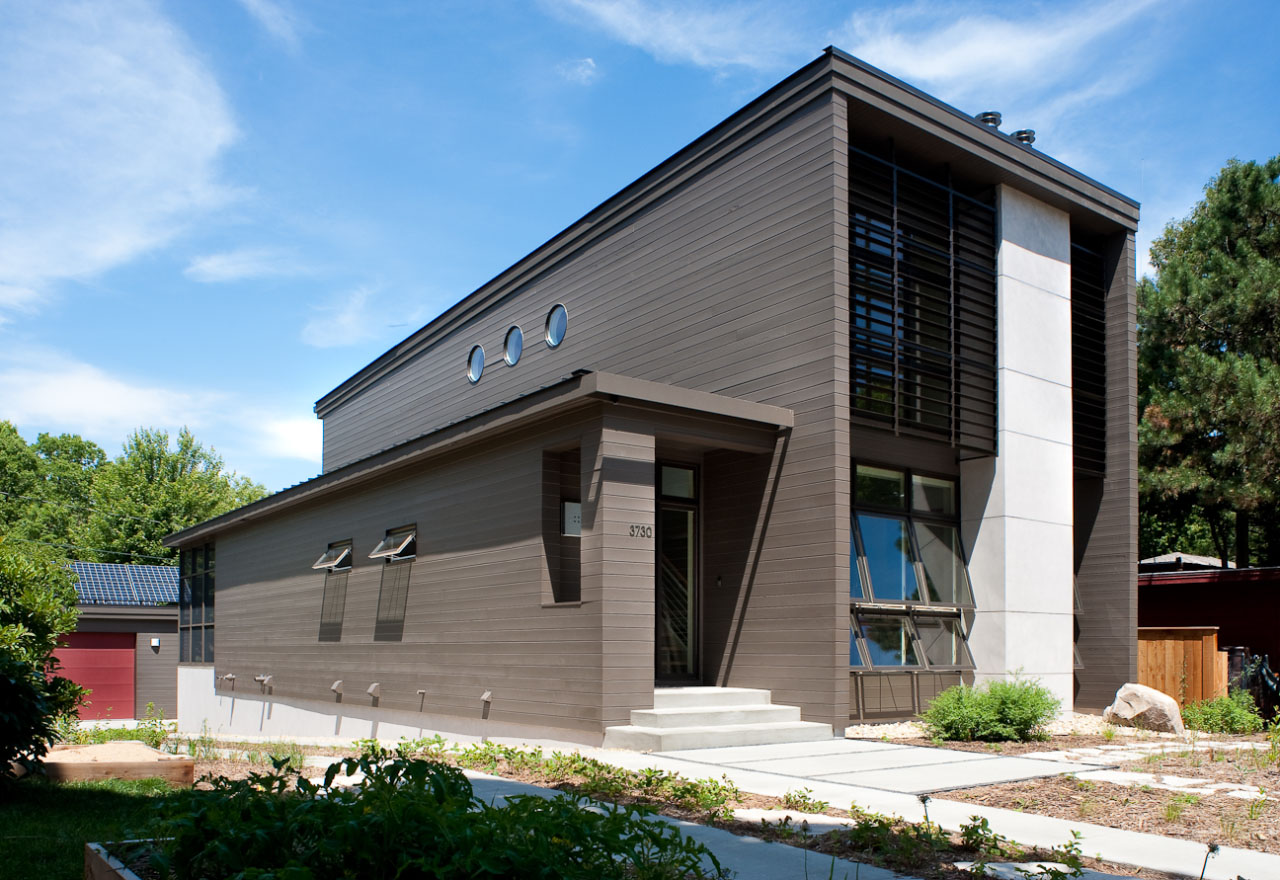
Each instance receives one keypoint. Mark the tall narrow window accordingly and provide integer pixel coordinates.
(922, 303)
(562, 525)
(908, 586)
(336, 563)
(195, 604)
(397, 550)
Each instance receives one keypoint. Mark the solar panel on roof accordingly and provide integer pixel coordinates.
(104, 583)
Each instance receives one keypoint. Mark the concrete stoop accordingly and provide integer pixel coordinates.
(711, 717)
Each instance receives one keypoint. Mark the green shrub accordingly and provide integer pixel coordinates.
(1235, 713)
(152, 729)
(408, 818)
(997, 712)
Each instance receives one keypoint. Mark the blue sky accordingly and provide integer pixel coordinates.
(212, 213)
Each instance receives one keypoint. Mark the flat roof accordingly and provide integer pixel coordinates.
(890, 104)
(581, 388)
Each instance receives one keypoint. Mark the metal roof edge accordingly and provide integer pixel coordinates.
(582, 387)
(974, 126)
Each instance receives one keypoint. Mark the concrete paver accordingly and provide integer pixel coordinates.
(1111, 844)
(895, 767)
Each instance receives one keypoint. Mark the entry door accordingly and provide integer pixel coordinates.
(676, 641)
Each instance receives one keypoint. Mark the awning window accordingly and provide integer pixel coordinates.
(398, 544)
(337, 556)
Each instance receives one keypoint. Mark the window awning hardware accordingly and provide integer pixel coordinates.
(333, 557)
(393, 545)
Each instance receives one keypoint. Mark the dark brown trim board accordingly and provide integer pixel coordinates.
(703, 315)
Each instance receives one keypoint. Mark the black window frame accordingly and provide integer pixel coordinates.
(333, 598)
(393, 589)
(196, 570)
(908, 611)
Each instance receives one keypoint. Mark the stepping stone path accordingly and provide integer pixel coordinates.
(1137, 751)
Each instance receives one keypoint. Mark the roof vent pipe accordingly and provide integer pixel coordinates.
(990, 117)
(1025, 136)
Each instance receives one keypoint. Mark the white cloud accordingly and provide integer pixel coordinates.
(297, 438)
(244, 263)
(965, 56)
(276, 19)
(362, 315)
(582, 72)
(113, 128)
(45, 390)
(756, 36)
(61, 394)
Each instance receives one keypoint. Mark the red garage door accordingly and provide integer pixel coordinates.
(103, 663)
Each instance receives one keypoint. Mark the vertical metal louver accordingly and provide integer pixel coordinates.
(923, 305)
(1088, 356)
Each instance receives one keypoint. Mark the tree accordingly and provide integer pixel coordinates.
(67, 466)
(1209, 359)
(151, 490)
(37, 606)
(19, 473)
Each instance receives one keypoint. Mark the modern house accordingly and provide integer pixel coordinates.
(125, 646)
(838, 402)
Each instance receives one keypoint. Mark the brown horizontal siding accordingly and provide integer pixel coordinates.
(1107, 557)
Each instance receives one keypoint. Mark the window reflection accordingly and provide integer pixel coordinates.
(889, 641)
(889, 560)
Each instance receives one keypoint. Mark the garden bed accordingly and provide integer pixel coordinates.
(913, 848)
(116, 760)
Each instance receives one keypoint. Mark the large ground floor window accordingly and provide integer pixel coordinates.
(909, 595)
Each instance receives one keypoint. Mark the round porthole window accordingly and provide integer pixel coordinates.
(475, 364)
(557, 324)
(513, 346)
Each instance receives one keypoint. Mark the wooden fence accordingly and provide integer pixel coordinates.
(1182, 661)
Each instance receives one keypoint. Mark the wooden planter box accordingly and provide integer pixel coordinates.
(99, 864)
(174, 769)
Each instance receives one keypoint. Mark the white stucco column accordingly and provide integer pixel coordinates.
(1017, 507)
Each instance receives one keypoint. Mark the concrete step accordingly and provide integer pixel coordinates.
(667, 739)
(695, 716)
(705, 697)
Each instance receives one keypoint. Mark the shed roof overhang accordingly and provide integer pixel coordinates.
(917, 121)
(580, 390)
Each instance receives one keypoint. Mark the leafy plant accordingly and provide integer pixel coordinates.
(802, 801)
(408, 818)
(1234, 713)
(999, 711)
(1177, 805)
(37, 606)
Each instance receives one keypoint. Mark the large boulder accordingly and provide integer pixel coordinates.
(1137, 705)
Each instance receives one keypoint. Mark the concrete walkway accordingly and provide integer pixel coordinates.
(1110, 844)
(747, 858)
(871, 764)
(760, 776)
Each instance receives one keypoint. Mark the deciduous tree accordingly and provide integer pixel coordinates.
(151, 490)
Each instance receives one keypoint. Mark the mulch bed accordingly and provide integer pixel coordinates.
(1213, 818)
(925, 862)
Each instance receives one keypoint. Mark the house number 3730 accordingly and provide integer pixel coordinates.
(639, 531)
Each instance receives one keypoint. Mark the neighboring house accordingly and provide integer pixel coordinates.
(1244, 604)
(125, 647)
(838, 401)
(1180, 562)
